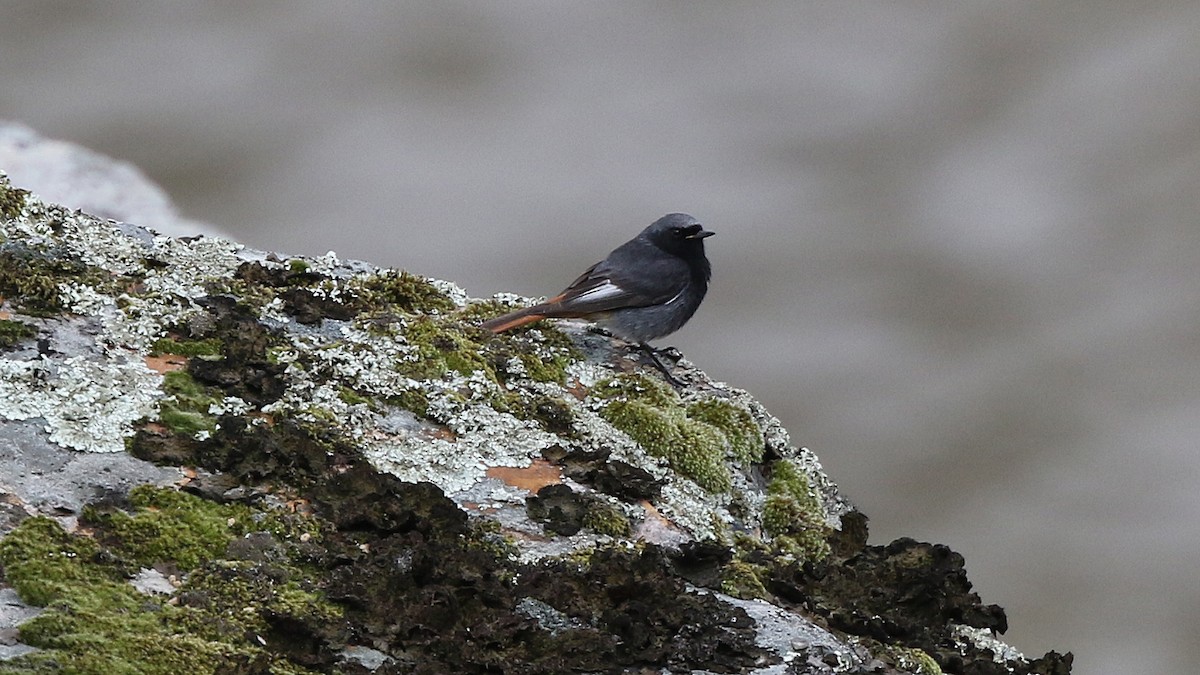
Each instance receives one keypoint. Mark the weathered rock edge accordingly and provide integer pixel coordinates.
(309, 465)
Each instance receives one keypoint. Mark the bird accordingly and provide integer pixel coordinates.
(646, 288)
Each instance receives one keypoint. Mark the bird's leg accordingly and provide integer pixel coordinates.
(653, 354)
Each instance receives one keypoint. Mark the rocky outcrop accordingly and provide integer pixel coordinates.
(214, 459)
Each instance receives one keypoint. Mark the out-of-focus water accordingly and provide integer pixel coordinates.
(958, 244)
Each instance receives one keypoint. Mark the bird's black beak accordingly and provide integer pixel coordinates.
(700, 233)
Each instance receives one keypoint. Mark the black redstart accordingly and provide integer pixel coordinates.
(646, 288)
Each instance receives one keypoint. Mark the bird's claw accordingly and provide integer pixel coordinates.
(662, 368)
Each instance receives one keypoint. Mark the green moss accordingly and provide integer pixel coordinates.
(13, 332)
(352, 397)
(488, 537)
(635, 386)
(96, 622)
(917, 660)
(167, 526)
(792, 514)
(553, 413)
(397, 290)
(744, 436)
(694, 449)
(208, 347)
(742, 580)
(43, 563)
(543, 351)
(654, 416)
(547, 353)
(548, 370)
(33, 281)
(240, 595)
(297, 266)
(442, 346)
(12, 200)
(607, 519)
(185, 409)
(478, 312)
(412, 400)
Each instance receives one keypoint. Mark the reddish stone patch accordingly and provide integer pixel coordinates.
(166, 363)
(532, 478)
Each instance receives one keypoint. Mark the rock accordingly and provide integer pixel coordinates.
(73, 176)
(340, 472)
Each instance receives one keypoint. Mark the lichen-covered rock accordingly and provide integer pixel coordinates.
(338, 471)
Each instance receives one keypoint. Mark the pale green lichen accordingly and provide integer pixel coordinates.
(87, 404)
(977, 639)
(479, 437)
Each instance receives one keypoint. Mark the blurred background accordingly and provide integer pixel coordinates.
(958, 247)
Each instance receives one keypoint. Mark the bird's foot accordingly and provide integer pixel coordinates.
(671, 353)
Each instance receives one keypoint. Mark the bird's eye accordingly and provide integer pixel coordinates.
(679, 232)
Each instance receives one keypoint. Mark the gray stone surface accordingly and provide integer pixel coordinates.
(52, 480)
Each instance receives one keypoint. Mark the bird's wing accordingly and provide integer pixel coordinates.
(606, 286)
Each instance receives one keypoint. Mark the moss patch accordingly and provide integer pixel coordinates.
(742, 580)
(552, 413)
(792, 514)
(32, 279)
(182, 347)
(165, 526)
(442, 346)
(185, 409)
(653, 415)
(567, 512)
(398, 291)
(915, 660)
(744, 436)
(12, 200)
(14, 332)
(694, 449)
(311, 296)
(747, 572)
(224, 613)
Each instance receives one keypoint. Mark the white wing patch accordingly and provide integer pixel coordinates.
(602, 292)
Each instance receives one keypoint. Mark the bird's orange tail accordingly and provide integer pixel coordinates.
(509, 321)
